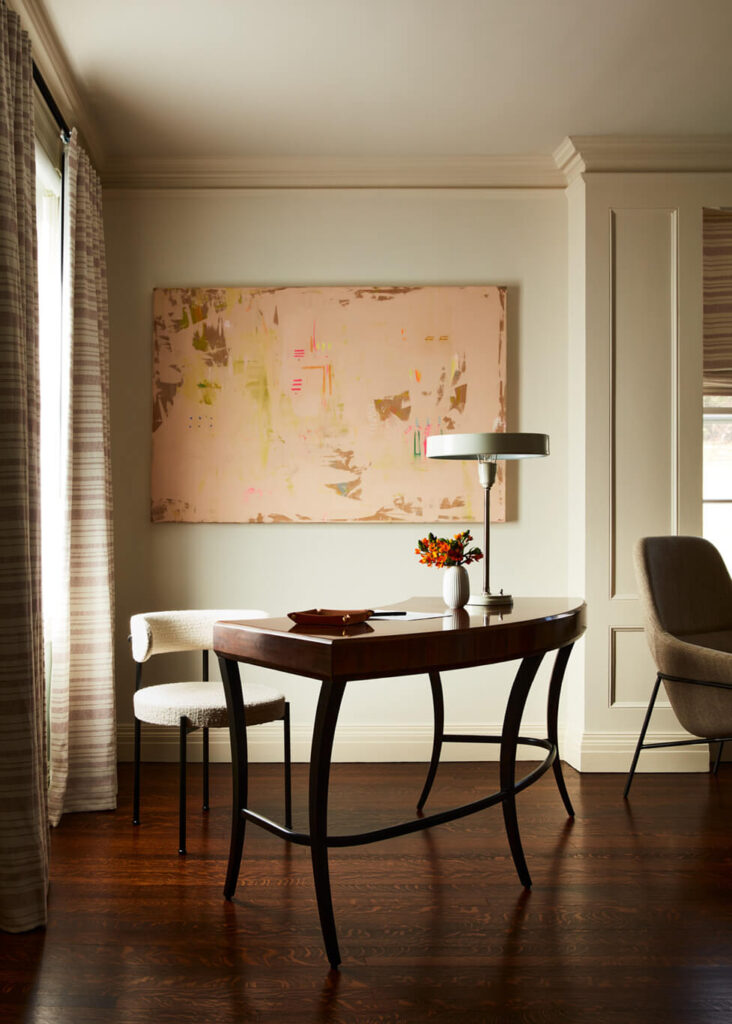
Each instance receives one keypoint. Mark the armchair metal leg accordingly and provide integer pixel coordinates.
(642, 736)
(288, 766)
(136, 783)
(205, 767)
(182, 792)
(718, 758)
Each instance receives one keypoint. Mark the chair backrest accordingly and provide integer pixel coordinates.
(191, 630)
(684, 585)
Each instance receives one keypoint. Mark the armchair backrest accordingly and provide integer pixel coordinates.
(191, 630)
(684, 585)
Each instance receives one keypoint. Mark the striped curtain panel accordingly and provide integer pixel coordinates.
(23, 821)
(717, 302)
(83, 746)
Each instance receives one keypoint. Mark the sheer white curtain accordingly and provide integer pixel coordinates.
(48, 214)
(83, 752)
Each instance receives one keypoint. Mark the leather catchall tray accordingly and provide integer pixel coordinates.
(330, 616)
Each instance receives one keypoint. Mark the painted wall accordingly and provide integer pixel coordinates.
(635, 310)
(512, 237)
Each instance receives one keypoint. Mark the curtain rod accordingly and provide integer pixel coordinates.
(51, 103)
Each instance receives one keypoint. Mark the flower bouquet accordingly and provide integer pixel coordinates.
(442, 553)
(452, 555)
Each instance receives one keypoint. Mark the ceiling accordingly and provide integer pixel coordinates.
(389, 78)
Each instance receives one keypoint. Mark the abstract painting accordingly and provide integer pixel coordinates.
(315, 404)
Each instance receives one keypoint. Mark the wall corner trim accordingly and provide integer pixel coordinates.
(569, 160)
(636, 154)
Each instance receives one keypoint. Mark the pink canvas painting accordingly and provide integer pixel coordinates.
(315, 404)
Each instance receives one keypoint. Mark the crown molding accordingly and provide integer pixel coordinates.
(575, 156)
(635, 154)
(51, 61)
(335, 172)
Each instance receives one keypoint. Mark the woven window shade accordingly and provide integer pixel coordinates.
(717, 302)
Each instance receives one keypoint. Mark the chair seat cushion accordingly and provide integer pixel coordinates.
(204, 704)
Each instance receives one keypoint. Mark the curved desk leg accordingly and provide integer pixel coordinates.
(329, 702)
(509, 742)
(552, 715)
(439, 709)
(239, 769)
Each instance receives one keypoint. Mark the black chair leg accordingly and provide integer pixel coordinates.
(182, 807)
(136, 783)
(288, 767)
(205, 767)
(642, 736)
(718, 758)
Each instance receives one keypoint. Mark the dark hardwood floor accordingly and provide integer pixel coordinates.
(629, 920)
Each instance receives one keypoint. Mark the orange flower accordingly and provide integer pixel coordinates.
(442, 553)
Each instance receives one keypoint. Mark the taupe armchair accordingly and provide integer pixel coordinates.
(686, 594)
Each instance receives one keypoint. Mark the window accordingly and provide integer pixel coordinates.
(717, 381)
(717, 486)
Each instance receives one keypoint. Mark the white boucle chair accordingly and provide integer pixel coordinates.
(198, 704)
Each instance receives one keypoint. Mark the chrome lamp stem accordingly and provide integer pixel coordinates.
(487, 468)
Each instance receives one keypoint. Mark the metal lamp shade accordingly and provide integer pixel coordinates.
(493, 446)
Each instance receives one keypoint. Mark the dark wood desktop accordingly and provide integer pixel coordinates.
(379, 648)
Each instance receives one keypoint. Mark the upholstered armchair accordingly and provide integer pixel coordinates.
(686, 594)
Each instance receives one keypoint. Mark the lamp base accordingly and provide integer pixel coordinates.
(484, 600)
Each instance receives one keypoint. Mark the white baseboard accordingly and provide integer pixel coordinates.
(613, 752)
(591, 752)
(353, 743)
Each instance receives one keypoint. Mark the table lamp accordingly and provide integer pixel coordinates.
(487, 449)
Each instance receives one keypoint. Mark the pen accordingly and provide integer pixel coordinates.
(375, 614)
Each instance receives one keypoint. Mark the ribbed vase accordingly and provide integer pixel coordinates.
(455, 586)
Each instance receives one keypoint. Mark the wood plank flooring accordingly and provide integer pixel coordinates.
(629, 920)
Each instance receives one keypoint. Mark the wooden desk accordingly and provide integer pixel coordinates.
(533, 627)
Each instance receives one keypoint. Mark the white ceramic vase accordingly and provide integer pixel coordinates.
(456, 586)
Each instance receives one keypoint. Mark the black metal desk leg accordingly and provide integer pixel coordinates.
(326, 716)
(509, 742)
(239, 769)
(439, 709)
(552, 716)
